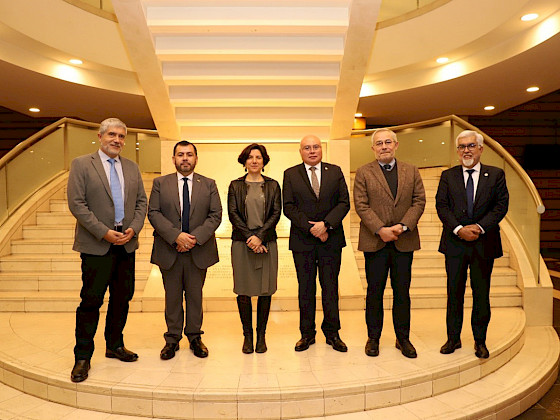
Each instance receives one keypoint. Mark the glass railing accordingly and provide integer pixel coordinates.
(394, 11)
(432, 143)
(106, 6)
(36, 161)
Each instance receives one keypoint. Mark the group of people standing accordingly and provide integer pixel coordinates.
(107, 197)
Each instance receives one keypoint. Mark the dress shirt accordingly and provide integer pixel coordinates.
(107, 168)
(180, 186)
(475, 177)
(391, 164)
(317, 172)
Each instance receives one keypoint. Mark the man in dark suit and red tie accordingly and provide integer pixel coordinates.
(185, 211)
(471, 200)
(316, 200)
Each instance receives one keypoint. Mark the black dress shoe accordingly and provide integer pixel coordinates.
(168, 351)
(481, 351)
(260, 347)
(198, 348)
(337, 343)
(406, 348)
(304, 343)
(450, 346)
(372, 347)
(247, 344)
(80, 371)
(121, 353)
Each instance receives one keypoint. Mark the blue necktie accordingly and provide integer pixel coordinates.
(186, 206)
(116, 192)
(470, 194)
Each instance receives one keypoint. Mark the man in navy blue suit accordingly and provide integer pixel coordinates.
(471, 200)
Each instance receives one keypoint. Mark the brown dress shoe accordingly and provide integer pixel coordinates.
(80, 371)
(337, 343)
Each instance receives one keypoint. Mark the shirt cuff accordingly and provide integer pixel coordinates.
(457, 229)
(481, 230)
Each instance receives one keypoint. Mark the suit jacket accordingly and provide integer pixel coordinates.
(164, 213)
(301, 206)
(377, 207)
(490, 207)
(91, 203)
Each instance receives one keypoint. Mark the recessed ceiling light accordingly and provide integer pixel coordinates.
(420, 141)
(442, 142)
(76, 61)
(442, 60)
(489, 108)
(33, 109)
(358, 114)
(533, 89)
(529, 16)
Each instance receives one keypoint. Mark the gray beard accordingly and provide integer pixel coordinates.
(468, 162)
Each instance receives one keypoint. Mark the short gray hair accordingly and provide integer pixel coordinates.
(470, 133)
(111, 122)
(381, 130)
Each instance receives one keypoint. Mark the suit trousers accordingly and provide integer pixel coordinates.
(480, 273)
(328, 265)
(116, 271)
(184, 278)
(378, 265)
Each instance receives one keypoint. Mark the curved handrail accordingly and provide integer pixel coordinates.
(493, 144)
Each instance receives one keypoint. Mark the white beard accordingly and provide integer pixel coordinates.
(468, 162)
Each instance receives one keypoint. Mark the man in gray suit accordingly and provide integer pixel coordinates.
(389, 198)
(185, 211)
(106, 196)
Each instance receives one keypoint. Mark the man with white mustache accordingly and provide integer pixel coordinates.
(471, 200)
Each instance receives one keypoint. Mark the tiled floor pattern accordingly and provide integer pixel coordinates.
(45, 341)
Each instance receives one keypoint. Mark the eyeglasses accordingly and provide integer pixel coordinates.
(470, 146)
(315, 147)
(112, 134)
(387, 142)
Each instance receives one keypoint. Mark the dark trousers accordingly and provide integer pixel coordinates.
(307, 264)
(184, 278)
(378, 265)
(116, 271)
(480, 273)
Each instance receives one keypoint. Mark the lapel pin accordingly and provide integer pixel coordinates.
(326, 168)
(485, 173)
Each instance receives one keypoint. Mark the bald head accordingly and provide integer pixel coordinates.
(310, 149)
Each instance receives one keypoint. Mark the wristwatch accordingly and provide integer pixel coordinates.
(404, 227)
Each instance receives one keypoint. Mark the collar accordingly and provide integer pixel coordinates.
(180, 176)
(391, 164)
(104, 157)
(318, 166)
(475, 167)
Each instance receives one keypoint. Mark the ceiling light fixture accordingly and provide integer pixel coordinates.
(76, 61)
(489, 108)
(533, 89)
(358, 114)
(442, 60)
(34, 109)
(530, 16)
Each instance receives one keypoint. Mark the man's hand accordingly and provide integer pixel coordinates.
(318, 229)
(469, 233)
(324, 237)
(112, 236)
(387, 235)
(185, 242)
(397, 229)
(126, 236)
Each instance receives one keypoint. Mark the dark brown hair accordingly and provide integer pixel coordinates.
(247, 151)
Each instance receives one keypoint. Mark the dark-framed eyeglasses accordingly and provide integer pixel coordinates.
(470, 146)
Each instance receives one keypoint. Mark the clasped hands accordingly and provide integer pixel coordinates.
(469, 233)
(390, 233)
(319, 230)
(185, 242)
(119, 238)
(255, 244)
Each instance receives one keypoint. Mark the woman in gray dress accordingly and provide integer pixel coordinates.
(254, 208)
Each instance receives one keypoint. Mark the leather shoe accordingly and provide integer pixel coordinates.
(450, 346)
(247, 344)
(80, 371)
(337, 343)
(260, 347)
(121, 353)
(372, 347)
(481, 351)
(304, 343)
(406, 348)
(168, 351)
(198, 348)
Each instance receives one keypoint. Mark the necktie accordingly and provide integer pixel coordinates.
(470, 193)
(387, 167)
(116, 192)
(314, 181)
(186, 206)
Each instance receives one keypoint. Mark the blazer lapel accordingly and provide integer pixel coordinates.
(195, 192)
(378, 173)
(172, 186)
(482, 187)
(401, 180)
(98, 165)
(459, 185)
(305, 178)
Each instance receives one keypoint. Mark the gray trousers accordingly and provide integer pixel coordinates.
(183, 278)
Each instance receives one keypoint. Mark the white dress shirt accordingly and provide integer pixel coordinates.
(317, 172)
(180, 187)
